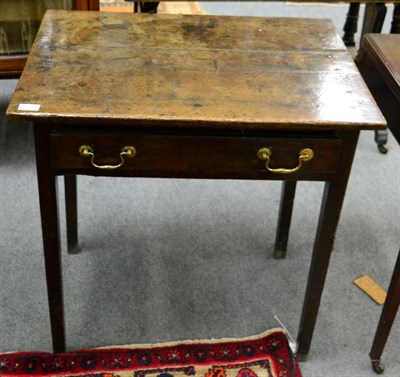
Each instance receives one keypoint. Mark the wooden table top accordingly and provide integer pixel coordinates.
(386, 50)
(193, 71)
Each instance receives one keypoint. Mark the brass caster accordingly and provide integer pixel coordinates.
(377, 366)
(383, 149)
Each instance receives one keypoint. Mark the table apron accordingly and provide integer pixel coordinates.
(167, 156)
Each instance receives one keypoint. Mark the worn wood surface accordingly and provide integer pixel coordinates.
(195, 156)
(192, 93)
(222, 71)
(12, 66)
(385, 49)
(379, 64)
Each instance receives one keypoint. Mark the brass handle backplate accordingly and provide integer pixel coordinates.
(126, 152)
(264, 154)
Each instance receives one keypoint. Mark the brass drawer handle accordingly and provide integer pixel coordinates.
(264, 154)
(126, 152)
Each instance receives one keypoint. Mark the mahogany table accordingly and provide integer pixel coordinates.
(379, 63)
(173, 96)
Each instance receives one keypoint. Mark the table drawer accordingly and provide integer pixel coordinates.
(192, 156)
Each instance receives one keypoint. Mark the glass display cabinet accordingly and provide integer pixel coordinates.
(19, 22)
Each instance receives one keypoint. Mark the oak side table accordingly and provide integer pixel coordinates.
(175, 96)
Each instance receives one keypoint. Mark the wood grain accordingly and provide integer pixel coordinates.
(385, 49)
(164, 70)
(379, 64)
(194, 156)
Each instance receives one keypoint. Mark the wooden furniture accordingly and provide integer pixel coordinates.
(374, 17)
(386, 320)
(193, 97)
(379, 63)
(28, 13)
(12, 66)
(373, 21)
(87, 4)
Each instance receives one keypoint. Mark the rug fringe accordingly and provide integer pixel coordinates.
(202, 341)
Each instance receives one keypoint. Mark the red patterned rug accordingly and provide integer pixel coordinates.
(265, 355)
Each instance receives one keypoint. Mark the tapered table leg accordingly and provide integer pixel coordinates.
(386, 320)
(284, 218)
(331, 206)
(50, 231)
(71, 211)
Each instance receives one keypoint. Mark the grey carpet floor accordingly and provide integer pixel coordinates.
(166, 259)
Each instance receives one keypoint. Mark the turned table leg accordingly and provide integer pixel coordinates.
(350, 26)
(395, 28)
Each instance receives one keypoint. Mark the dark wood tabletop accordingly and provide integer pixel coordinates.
(239, 71)
(379, 64)
(386, 50)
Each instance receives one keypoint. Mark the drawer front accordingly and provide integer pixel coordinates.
(192, 156)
